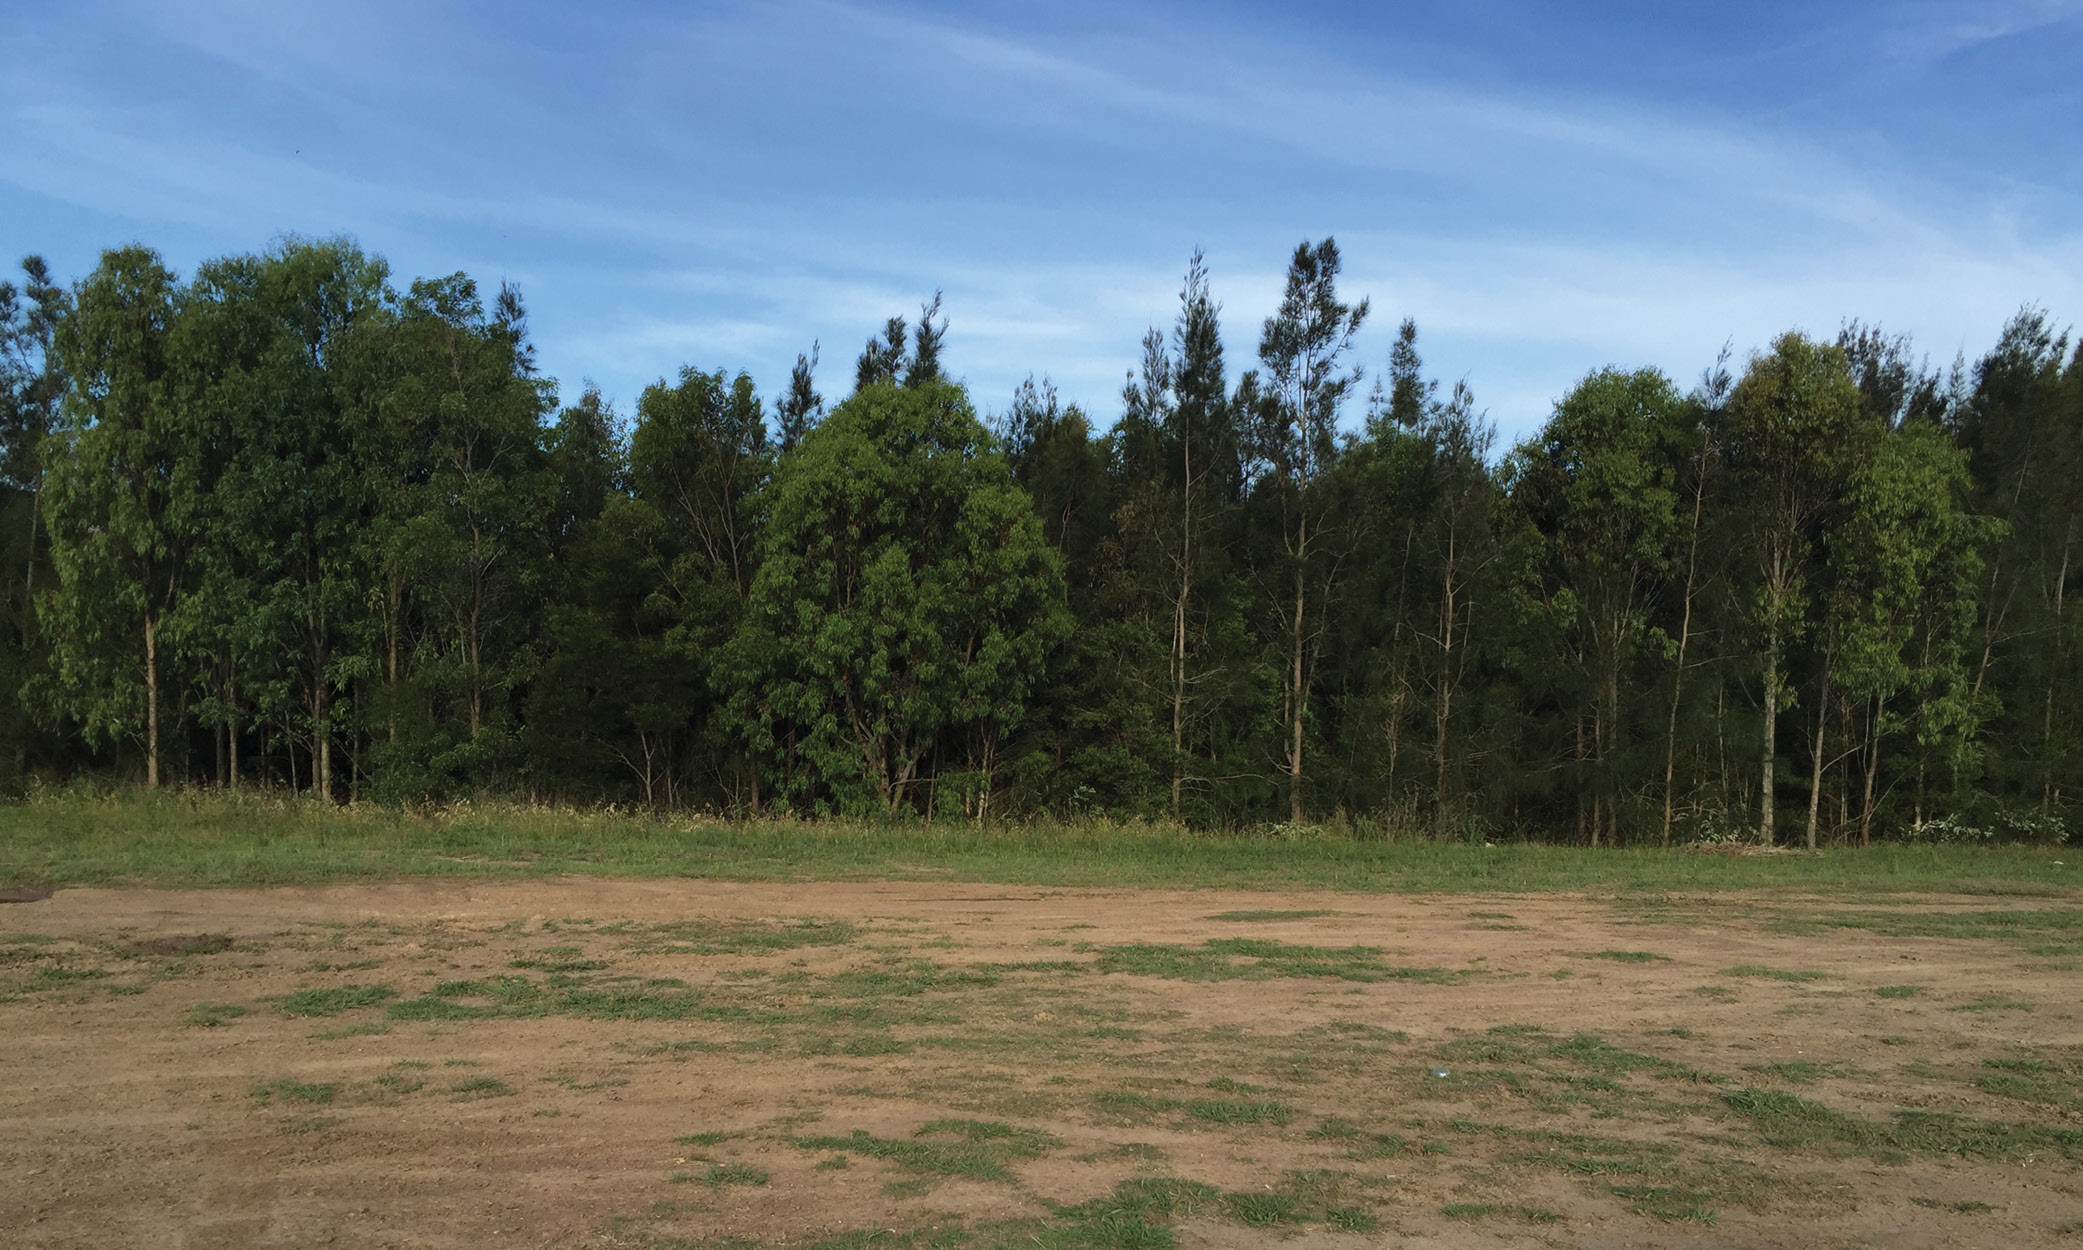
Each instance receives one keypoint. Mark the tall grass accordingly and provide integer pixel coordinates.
(207, 838)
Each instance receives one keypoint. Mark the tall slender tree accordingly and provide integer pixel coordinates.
(1301, 348)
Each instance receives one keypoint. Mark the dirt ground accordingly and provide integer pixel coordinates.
(585, 1062)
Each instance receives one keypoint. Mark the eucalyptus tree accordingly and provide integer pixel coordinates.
(31, 385)
(1909, 559)
(284, 556)
(699, 457)
(116, 497)
(1795, 426)
(905, 605)
(2022, 427)
(1598, 485)
(1300, 348)
(465, 499)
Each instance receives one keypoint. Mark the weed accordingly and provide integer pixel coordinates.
(1228, 1086)
(1266, 1210)
(479, 1087)
(702, 1139)
(1248, 917)
(723, 1174)
(399, 1083)
(1898, 991)
(1231, 1112)
(1624, 957)
(1352, 1220)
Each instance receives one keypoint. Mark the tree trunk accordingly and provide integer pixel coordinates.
(1179, 623)
(1443, 708)
(1294, 759)
(231, 718)
(1815, 777)
(151, 704)
(1692, 565)
(1768, 745)
(1872, 769)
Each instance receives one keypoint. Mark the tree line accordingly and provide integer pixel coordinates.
(286, 525)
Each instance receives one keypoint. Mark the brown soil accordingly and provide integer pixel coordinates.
(159, 1093)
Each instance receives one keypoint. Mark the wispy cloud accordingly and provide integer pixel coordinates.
(721, 186)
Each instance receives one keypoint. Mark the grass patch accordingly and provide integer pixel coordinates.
(1784, 1119)
(1898, 991)
(192, 839)
(1258, 959)
(723, 1174)
(334, 1000)
(1806, 1072)
(1472, 1212)
(1624, 957)
(702, 1139)
(1255, 917)
(1225, 1111)
(211, 1015)
(1772, 974)
(515, 997)
(1993, 1002)
(716, 936)
(976, 1149)
(479, 1087)
(294, 1091)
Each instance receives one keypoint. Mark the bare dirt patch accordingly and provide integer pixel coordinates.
(627, 1063)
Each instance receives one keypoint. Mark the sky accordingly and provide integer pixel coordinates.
(1546, 189)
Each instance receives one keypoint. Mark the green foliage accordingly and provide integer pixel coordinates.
(286, 524)
(905, 603)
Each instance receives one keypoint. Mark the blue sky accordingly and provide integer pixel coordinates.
(1545, 188)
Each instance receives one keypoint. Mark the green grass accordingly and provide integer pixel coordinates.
(1246, 917)
(202, 839)
(1224, 1111)
(1625, 957)
(1784, 1119)
(976, 1149)
(1772, 974)
(723, 1174)
(334, 1000)
(1898, 991)
(2047, 931)
(211, 1015)
(295, 1091)
(1260, 959)
(1471, 1212)
(1993, 1002)
(478, 1087)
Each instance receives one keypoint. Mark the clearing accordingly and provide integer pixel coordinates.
(631, 1063)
